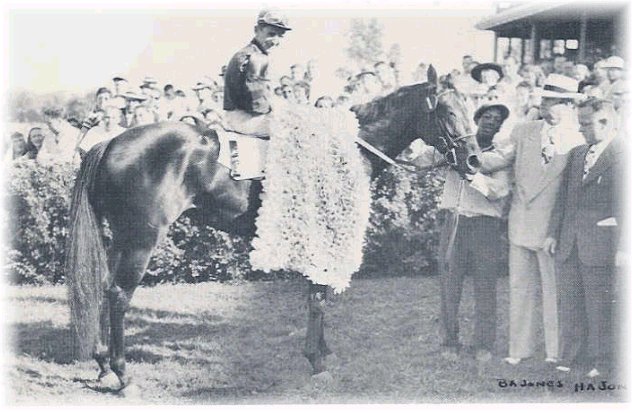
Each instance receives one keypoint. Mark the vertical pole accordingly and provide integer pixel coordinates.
(495, 47)
(522, 50)
(583, 26)
(535, 43)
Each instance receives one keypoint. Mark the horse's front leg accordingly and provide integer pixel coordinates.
(315, 346)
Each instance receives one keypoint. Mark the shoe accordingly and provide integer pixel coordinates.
(552, 360)
(512, 360)
(593, 373)
(483, 356)
(564, 369)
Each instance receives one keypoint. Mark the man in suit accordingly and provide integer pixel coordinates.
(541, 153)
(584, 236)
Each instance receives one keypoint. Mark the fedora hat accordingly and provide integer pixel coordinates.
(614, 62)
(478, 70)
(496, 105)
(149, 80)
(560, 86)
(273, 18)
(135, 95)
(204, 83)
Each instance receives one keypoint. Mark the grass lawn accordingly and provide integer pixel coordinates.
(241, 344)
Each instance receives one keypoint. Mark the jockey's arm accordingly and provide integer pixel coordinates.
(256, 84)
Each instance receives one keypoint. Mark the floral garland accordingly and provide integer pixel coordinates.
(315, 199)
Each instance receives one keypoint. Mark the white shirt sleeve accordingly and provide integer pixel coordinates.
(492, 187)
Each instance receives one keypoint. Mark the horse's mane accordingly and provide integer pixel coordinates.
(388, 114)
(383, 107)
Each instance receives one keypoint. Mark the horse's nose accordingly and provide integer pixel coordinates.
(473, 164)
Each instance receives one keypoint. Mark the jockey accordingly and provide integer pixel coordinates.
(247, 92)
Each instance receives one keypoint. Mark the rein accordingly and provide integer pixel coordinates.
(375, 151)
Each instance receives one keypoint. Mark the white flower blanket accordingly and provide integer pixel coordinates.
(315, 199)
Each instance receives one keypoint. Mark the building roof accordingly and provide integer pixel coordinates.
(515, 13)
(559, 17)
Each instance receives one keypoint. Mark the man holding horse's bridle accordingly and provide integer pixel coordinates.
(246, 91)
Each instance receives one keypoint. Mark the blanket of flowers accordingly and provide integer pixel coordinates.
(315, 199)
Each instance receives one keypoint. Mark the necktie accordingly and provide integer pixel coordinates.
(590, 160)
(548, 149)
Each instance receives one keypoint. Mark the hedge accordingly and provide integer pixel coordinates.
(401, 238)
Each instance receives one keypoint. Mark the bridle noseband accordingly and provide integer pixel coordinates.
(450, 142)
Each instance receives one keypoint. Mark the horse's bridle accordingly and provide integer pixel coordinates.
(450, 142)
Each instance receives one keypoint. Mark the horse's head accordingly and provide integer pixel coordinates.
(449, 126)
(438, 115)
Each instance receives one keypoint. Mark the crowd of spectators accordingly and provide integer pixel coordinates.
(119, 106)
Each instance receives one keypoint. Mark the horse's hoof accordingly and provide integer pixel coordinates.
(324, 377)
(109, 381)
(131, 392)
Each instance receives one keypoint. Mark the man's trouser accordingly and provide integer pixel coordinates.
(470, 245)
(531, 280)
(587, 312)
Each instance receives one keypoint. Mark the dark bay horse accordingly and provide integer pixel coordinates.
(144, 179)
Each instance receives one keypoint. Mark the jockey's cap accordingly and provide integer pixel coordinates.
(273, 18)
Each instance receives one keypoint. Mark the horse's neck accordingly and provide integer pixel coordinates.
(388, 139)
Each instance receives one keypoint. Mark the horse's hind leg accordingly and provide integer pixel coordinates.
(130, 271)
(102, 352)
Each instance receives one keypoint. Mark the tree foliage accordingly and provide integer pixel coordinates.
(365, 42)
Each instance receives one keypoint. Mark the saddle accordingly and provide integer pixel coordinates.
(244, 155)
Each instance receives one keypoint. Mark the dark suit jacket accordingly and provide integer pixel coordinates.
(581, 204)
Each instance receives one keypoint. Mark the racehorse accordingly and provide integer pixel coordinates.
(141, 181)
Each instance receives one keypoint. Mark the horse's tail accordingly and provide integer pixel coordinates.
(86, 265)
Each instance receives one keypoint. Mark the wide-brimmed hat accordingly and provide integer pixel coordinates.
(478, 70)
(273, 18)
(201, 85)
(614, 62)
(560, 86)
(135, 95)
(495, 105)
(118, 79)
(150, 80)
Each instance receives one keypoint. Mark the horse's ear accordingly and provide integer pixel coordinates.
(432, 75)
